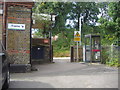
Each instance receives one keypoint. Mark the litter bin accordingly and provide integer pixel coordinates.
(38, 52)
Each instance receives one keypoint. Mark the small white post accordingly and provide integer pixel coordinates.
(77, 53)
(80, 30)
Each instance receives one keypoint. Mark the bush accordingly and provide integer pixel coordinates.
(61, 53)
(113, 62)
(105, 55)
(110, 56)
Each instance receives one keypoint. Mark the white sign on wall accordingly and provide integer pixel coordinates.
(1, 11)
(12, 26)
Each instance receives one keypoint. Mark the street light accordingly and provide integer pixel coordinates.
(53, 15)
(50, 35)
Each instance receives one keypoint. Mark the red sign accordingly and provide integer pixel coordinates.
(96, 50)
(46, 41)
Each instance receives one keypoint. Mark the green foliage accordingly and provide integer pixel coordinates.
(110, 56)
(87, 10)
(61, 53)
(110, 21)
(62, 44)
(39, 33)
(114, 10)
(65, 39)
(110, 27)
(113, 59)
(61, 9)
(105, 56)
(69, 10)
(113, 62)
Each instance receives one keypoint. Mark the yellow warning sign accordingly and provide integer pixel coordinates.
(77, 39)
(76, 36)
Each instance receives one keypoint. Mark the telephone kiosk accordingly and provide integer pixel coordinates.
(92, 48)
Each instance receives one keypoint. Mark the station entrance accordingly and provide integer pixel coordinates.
(23, 49)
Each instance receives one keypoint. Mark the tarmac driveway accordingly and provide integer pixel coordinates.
(63, 74)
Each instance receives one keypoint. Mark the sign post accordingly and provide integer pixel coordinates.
(77, 52)
(80, 30)
(77, 39)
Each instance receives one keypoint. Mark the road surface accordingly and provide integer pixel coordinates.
(63, 74)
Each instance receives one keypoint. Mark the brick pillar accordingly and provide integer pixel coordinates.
(18, 39)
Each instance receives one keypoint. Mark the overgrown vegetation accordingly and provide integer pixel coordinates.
(110, 55)
(97, 18)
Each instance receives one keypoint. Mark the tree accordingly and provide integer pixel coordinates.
(69, 10)
(110, 27)
(114, 12)
(61, 9)
(87, 10)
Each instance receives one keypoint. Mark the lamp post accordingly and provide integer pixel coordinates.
(50, 35)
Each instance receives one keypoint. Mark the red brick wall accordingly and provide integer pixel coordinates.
(18, 42)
